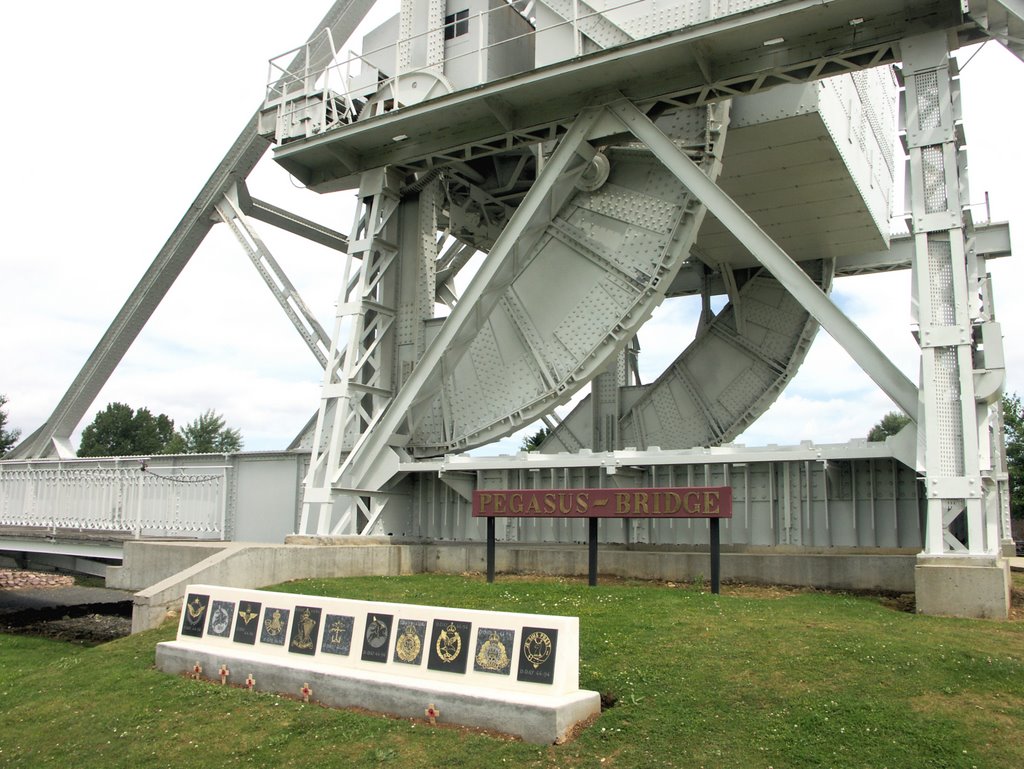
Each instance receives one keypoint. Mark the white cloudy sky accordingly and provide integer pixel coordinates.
(116, 114)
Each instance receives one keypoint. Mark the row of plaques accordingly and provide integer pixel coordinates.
(308, 629)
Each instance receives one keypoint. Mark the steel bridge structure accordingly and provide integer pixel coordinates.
(591, 160)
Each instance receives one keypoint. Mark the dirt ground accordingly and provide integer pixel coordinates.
(87, 624)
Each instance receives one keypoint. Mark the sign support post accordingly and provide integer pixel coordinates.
(490, 549)
(711, 502)
(592, 547)
(716, 555)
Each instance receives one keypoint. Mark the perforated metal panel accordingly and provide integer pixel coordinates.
(601, 266)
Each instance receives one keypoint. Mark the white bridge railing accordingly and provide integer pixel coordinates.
(134, 497)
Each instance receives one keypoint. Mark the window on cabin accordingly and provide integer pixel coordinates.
(456, 24)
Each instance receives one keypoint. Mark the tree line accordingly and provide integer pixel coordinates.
(121, 431)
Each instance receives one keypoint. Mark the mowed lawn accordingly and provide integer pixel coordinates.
(755, 677)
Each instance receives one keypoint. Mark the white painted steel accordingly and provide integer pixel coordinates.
(115, 497)
(961, 480)
(860, 347)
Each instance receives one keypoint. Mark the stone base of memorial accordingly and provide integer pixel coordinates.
(513, 673)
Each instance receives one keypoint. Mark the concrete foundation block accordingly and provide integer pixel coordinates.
(536, 719)
(962, 586)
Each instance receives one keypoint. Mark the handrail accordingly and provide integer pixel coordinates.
(277, 94)
(116, 494)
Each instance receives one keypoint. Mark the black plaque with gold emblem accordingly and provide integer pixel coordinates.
(221, 614)
(376, 637)
(494, 649)
(275, 626)
(409, 641)
(193, 619)
(247, 622)
(537, 654)
(449, 646)
(305, 630)
(337, 634)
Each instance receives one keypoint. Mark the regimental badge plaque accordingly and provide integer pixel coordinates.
(494, 648)
(537, 655)
(449, 646)
(376, 637)
(220, 619)
(247, 622)
(337, 634)
(274, 629)
(409, 641)
(305, 630)
(193, 619)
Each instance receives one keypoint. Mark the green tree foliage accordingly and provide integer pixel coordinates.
(1013, 431)
(533, 442)
(8, 437)
(206, 435)
(891, 424)
(120, 431)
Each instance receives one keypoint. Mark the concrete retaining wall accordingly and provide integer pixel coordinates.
(844, 572)
(258, 565)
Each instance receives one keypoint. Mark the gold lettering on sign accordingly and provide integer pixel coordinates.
(515, 503)
(621, 502)
(549, 504)
(485, 501)
(675, 503)
(582, 502)
(691, 502)
(711, 503)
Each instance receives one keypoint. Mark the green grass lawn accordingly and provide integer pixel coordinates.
(751, 678)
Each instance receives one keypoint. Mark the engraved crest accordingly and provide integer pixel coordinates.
(537, 648)
(246, 614)
(376, 633)
(304, 633)
(493, 655)
(408, 645)
(196, 609)
(220, 618)
(449, 644)
(273, 625)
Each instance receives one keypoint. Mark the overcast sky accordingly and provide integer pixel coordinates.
(116, 114)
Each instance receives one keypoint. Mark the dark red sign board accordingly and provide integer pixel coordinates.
(680, 502)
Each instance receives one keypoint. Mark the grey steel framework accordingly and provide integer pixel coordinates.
(603, 156)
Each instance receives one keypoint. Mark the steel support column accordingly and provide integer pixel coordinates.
(949, 311)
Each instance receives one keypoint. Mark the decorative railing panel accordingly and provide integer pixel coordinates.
(125, 496)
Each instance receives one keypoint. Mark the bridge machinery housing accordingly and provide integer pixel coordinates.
(535, 177)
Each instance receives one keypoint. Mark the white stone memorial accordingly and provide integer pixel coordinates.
(513, 673)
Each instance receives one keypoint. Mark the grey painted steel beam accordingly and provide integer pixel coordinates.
(875, 364)
(241, 158)
(278, 217)
(992, 241)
